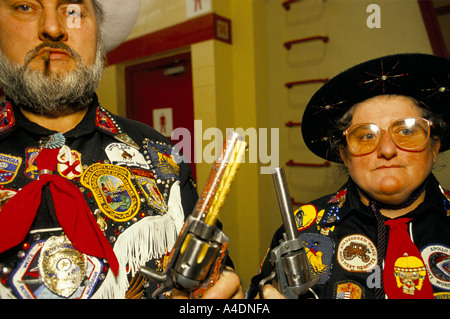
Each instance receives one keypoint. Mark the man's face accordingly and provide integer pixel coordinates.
(66, 31)
(29, 28)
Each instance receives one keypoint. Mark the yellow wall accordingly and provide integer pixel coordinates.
(351, 42)
(242, 85)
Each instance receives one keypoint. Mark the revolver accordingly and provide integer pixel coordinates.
(290, 267)
(197, 258)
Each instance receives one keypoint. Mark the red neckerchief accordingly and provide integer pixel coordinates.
(74, 215)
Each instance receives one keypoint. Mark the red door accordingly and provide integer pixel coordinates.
(160, 94)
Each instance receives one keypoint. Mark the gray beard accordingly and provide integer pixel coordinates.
(51, 95)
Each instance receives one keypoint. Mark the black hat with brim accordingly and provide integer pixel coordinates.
(423, 77)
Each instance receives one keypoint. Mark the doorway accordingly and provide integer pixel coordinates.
(160, 94)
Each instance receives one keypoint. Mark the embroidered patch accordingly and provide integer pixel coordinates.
(7, 119)
(339, 198)
(70, 168)
(305, 216)
(147, 183)
(113, 190)
(319, 250)
(26, 279)
(442, 295)
(5, 195)
(103, 121)
(446, 194)
(357, 253)
(437, 261)
(9, 166)
(30, 165)
(123, 154)
(348, 290)
(324, 230)
(164, 159)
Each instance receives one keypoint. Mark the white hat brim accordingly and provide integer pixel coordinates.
(119, 19)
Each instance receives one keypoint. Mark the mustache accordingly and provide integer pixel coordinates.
(53, 45)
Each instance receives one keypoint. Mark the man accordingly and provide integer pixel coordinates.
(87, 197)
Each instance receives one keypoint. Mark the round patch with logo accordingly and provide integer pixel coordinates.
(113, 190)
(437, 261)
(357, 253)
(348, 290)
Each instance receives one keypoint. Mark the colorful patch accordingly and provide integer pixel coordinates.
(442, 295)
(446, 194)
(7, 119)
(146, 181)
(357, 253)
(319, 250)
(123, 154)
(27, 281)
(9, 166)
(348, 290)
(164, 159)
(103, 121)
(113, 190)
(410, 274)
(305, 216)
(264, 259)
(30, 165)
(6, 195)
(339, 198)
(70, 167)
(324, 230)
(330, 215)
(437, 261)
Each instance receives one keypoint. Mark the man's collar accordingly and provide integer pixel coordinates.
(16, 119)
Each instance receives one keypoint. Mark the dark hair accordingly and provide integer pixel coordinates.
(337, 140)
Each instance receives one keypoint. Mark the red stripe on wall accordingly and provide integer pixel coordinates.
(192, 31)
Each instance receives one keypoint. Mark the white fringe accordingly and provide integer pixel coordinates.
(150, 238)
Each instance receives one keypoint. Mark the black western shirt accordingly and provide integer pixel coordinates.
(339, 234)
(134, 183)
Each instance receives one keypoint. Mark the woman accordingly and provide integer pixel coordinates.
(386, 232)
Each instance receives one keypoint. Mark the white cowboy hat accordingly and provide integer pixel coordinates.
(119, 19)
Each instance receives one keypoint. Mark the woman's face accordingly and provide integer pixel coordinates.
(389, 174)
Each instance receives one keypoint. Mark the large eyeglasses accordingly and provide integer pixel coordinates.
(408, 134)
